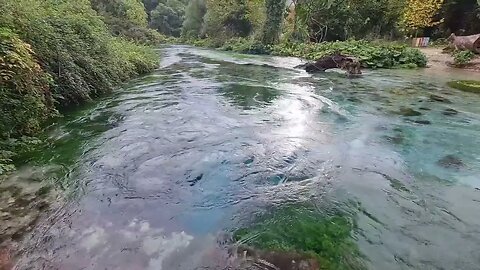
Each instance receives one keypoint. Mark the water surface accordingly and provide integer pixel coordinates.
(155, 176)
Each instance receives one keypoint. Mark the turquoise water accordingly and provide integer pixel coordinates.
(159, 172)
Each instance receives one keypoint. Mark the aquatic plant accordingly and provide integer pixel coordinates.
(467, 86)
(302, 229)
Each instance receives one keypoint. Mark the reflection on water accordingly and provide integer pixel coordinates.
(174, 164)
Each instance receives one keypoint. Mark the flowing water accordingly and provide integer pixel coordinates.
(157, 175)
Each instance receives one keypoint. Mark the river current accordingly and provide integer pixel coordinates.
(158, 174)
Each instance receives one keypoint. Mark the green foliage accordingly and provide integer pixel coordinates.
(273, 23)
(54, 54)
(371, 55)
(138, 34)
(293, 228)
(227, 18)
(467, 86)
(193, 23)
(462, 58)
(127, 19)
(24, 88)
(246, 45)
(167, 18)
(331, 20)
(73, 45)
(132, 11)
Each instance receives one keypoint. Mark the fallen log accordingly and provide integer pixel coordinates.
(464, 43)
(350, 64)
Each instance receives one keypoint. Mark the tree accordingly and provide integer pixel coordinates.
(167, 17)
(344, 19)
(132, 11)
(227, 18)
(420, 14)
(273, 23)
(193, 23)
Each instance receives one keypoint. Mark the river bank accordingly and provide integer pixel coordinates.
(444, 62)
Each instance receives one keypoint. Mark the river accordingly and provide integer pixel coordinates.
(159, 174)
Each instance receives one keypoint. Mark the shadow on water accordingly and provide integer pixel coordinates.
(219, 160)
(249, 96)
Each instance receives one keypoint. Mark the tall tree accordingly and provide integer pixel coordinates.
(193, 23)
(129, 10)
(227, 18)
(167, 17)
(273, 24)
(421, 13)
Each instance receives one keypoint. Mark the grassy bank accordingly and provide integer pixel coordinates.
(371, 54)
(54, 55)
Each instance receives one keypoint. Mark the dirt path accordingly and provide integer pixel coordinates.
(442, 61)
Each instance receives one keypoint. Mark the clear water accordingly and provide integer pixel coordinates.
(160, 170)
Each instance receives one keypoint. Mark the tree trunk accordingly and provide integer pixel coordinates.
(464, 43)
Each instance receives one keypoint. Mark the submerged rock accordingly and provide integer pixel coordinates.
(408, 112)
(251, 258)
(451, 162)
(439, 99)
(422, 122)
(450, 112)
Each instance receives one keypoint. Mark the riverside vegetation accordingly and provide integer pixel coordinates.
(55, 54)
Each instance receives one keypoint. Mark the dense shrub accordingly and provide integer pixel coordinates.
(167, 18)
(132, 32)
(193, 23)
(132, 11)
(74, 46)
(246, 45)
(461, 58)
(25, 99)
(227, 18)
(55, 53)
(371, 55)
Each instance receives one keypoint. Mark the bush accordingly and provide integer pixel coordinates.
(138, 34)
(55, 54)
(245, 45)
(461, 58)
(371, 55)
(25, 99)
(75, 47)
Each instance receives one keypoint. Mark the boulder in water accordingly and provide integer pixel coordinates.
(408, 112)
(451, 162)
(439, 99)
(450, 112)
(350, 64)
